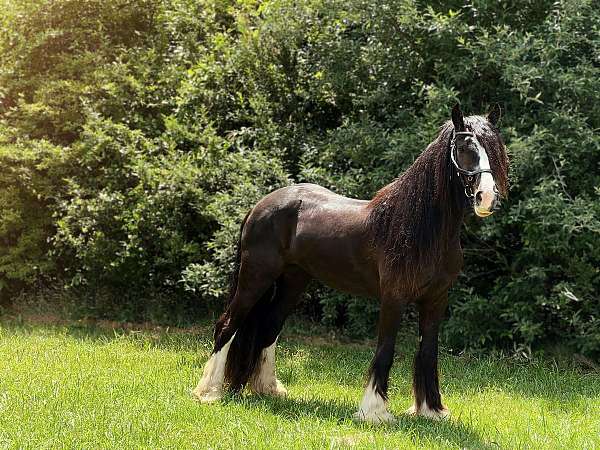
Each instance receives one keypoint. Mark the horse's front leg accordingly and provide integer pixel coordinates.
(373, 407)
(426, 388)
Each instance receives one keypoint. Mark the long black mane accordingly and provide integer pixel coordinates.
(414, 218)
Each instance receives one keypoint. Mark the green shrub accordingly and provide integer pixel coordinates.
(178, 119)
(140, 217)
(29, 182)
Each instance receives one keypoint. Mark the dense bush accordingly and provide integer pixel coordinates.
(27, 189)
(131, 231)
(148, 129)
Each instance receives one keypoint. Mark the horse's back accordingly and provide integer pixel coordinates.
(312, 227)
(310, 194)
(305, 205)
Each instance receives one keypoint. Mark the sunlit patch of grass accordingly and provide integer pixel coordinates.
(86, 387)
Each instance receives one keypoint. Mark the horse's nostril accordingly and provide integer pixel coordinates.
(478, 196)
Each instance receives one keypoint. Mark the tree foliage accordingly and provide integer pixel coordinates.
(135, 135)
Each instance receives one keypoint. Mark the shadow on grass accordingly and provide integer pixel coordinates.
(537, 379)
(451, 431)
(166, 338)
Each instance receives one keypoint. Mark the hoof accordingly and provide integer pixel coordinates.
(376, 418)
(211, 396)
(276, 389)
(279, 390)
(425, 411)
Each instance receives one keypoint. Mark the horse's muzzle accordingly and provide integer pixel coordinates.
(486, 202)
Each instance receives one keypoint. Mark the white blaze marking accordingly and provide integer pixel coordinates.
(486, 183)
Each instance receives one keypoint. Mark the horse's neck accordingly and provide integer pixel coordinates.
(456, 220)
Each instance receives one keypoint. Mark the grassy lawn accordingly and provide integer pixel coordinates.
(86, 387)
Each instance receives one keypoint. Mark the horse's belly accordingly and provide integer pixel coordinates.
(353, 284)
(338, 264)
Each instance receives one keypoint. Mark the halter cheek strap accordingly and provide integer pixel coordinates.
(460, 171)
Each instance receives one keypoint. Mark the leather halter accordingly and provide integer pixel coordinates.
(470, 174)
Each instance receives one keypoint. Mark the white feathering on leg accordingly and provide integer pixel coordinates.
(264, 380)
(373, 407)
(424, 411)
(210, 387)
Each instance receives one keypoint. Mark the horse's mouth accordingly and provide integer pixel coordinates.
(482, 212)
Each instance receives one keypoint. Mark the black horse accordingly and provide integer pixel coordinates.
(402, 246)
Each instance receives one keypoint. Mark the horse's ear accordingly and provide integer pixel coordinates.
(457, 118)
(494, 115)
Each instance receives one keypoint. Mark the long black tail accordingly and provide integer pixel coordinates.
(246, 347)
(249, 341)
(233, 283)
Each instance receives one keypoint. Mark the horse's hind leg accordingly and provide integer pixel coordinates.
(289, 289)
(210, 386)
(264, 381)
(254, 281)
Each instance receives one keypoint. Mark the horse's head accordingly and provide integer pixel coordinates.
(479, 157)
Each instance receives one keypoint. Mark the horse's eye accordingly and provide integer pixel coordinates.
(468, 145)
(464, 146)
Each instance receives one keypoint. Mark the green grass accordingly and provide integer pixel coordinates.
(83, 387)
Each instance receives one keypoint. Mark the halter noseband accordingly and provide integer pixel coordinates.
(460, 171)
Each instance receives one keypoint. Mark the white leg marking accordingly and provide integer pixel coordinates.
(424, 411)
(373, 408)
(210, 387)
(264, 380)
